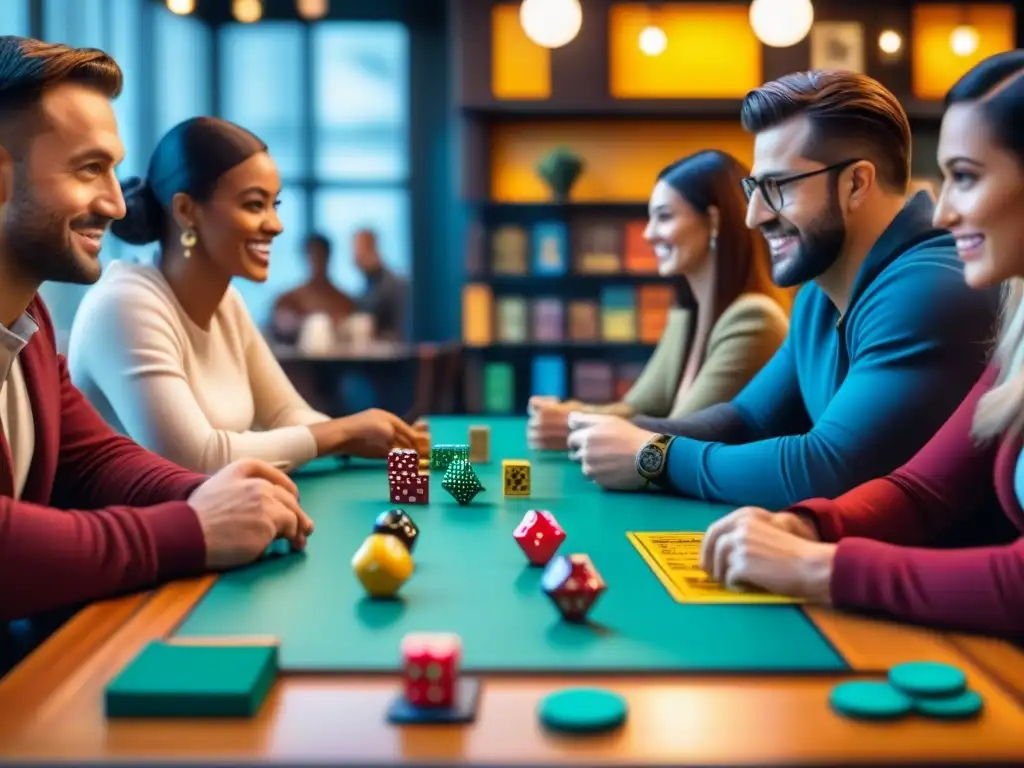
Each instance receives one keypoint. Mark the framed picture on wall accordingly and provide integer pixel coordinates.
(837, 45)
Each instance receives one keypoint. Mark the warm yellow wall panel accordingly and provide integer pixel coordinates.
(622, 157)
(935, 68)
(520, 69)
(712, 52)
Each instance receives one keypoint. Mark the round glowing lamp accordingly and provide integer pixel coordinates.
(890, 42)
(653, 40)
(964, 40)
(781, 23)
(551, 23)
(181, 7)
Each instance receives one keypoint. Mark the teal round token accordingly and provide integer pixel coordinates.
(927, 678)
(870, 700)
(957, 707)
(582, 710)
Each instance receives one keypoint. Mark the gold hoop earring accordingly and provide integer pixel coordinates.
(188, 240)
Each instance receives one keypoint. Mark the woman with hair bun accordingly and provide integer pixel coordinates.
(168, 352)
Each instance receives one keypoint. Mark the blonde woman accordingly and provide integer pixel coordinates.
(871, 548)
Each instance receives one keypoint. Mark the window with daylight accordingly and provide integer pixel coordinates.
(14, 19)
(332, 102)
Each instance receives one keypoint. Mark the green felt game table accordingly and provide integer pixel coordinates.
(705, 684)
(471, 578)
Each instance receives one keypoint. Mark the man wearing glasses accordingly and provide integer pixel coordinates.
(885, 337)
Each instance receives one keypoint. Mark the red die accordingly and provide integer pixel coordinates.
(430, 667)
(411, 490)
(573, 584)
(403, 461)
(539, 535)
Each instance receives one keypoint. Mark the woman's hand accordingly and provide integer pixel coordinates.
(777, 552)
(371, 434)
(547, 427)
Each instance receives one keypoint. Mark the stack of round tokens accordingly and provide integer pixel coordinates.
(926, 688)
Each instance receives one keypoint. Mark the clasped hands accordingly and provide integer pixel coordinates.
(779, 552)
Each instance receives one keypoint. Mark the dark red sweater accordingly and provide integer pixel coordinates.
(887, 530)
(99, 514)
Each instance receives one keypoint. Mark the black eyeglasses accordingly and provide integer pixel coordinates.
(771, 187)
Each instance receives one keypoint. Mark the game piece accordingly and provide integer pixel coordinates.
(461, 481)
(516, 474)
(397, 523)
(869, 700)
(445, 453)
(172, 680)
(403, 462)
(411, 490)
(927, 678)
(539, 535)
(430, 668)
(573, 584)
(960, 706)
(479, 444)
(467, 699)
(382, 564)
(582, 710)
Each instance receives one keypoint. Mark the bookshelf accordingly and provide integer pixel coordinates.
(561, 297)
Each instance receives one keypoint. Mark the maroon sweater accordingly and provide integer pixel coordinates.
(888, 528)
(99, 514)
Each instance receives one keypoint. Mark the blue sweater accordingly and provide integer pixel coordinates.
(845, 401)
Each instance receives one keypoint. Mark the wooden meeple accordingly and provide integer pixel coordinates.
(479, 444)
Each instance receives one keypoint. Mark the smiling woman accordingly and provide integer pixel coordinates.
(182, 368)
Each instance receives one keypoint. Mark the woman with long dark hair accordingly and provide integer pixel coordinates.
(713, 345)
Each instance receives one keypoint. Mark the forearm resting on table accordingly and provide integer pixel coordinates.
(62, 558)
(720, 423)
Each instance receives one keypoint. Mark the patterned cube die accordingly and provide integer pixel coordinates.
(430, 668)
(516, 474)
(443, 454)
(410, 490)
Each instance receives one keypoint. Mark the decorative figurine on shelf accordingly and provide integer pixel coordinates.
(560, 170)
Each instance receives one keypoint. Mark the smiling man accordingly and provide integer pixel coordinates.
(885, 337)
(84, 512)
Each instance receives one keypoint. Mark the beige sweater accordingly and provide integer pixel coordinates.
(744, 338)
(201, 398)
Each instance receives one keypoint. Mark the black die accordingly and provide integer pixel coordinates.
(397, 523)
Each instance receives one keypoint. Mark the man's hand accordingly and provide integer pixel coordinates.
(243, 508)
(775, 552)
(606, 447)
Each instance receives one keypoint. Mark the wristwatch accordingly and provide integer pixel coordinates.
(651, 459)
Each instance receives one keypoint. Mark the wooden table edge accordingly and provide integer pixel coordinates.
(69, 647)
(158, 615)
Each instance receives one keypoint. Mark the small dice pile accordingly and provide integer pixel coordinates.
(383, 563)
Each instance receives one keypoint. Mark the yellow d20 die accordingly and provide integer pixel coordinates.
(382, 564)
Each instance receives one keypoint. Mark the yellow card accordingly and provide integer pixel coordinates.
(674, 556)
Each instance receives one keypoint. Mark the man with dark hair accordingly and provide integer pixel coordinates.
(318, 295)
(885, 337)
(384, 297)
(84, 512)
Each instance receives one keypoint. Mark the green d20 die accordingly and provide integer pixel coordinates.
(443, 454)
(461, 481)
